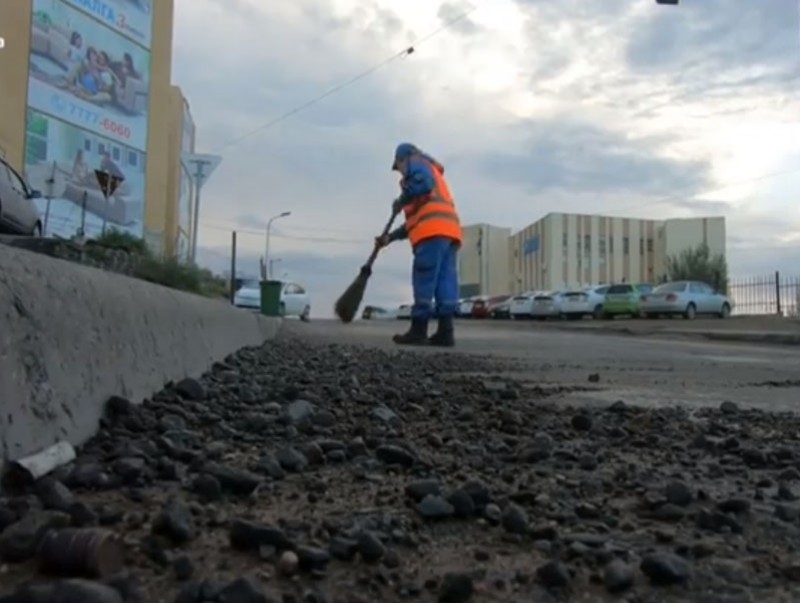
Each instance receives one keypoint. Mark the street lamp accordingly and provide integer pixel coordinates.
(266, 244)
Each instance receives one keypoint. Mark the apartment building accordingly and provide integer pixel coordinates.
(484, 262)
(61, 122)
(568, 250)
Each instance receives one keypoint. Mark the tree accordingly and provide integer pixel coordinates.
(698, 264)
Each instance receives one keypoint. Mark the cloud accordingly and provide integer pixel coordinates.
(533, 106)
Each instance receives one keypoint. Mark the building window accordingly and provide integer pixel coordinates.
(626, 245)
(87, 145)
(641, 245)
(587, 244)
(611, 245)
(649, 245)
(115, 154)
(101, 149)
(564, 240)
(601, 246)
(133, 158)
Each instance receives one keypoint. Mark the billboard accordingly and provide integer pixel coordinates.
(132, 18)
(60, 160)
(88, 75)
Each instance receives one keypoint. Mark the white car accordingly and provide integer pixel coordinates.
(547, 305)
(578, 303)
(465, 306)
(404, 312)
(522, 305)
(18, 212)
(295, 300)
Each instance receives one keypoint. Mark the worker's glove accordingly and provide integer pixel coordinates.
(382, 241)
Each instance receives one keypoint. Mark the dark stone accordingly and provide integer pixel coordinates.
(581, 422)
(679, 494)
(19, 541)
(395, 455)
(463, 505)
(54, 495)
(515, 520)
(183, 567)
(291, 460)
(247, 535)
(243, 590)
(343, 549)
(207, 487)
(313, 559)
(269, 465)
(419, 489)
(175, 522)
(456, 588)
(191, 389)
(665, 568)
(370, 547)
(553, 575)
(618, 576)
(435, 507)
(234, 480)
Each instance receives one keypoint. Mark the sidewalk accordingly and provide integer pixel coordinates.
(773, 330)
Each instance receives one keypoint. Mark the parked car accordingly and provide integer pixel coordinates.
(584, 302)
(624, 299)
(404, 312)
(547, 305)
(464, 309)
(483, 307)
(687, 299)
(521, 305)
(294, 300)
(18, 212)
(502, 309)
(378, 313)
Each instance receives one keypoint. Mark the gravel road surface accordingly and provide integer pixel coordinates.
(525, 466)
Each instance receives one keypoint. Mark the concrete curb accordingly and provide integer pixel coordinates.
(72, 336)
(761, 337)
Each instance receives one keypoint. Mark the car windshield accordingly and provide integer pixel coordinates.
(670, 288)
(620, 289)
(252, 284)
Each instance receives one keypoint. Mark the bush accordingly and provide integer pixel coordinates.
(169, 272)
(697, 264)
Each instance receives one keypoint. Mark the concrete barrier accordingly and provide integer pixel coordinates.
(71, 336)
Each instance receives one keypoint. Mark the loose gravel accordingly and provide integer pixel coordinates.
(299, 472)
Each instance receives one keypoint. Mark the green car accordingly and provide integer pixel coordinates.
(623, 300)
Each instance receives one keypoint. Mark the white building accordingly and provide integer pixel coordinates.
(484, 262)
(568, 250)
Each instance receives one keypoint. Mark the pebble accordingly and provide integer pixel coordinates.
(618, 576)
(456, 588)
(288, 563)
(665, 568)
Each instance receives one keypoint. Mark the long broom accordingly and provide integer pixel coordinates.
(347, 305)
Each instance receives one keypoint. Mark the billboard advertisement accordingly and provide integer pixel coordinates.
(132, 18)
(88, 75)
(60, 161)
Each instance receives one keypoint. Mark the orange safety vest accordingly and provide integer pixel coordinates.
(433, 215)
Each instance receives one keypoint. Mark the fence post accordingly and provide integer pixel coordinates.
(778, 292)
(233, 266)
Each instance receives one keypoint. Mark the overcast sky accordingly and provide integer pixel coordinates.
(533, 106)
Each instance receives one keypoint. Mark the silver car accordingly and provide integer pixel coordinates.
(547, 305)
(687, 299)
(18, 212)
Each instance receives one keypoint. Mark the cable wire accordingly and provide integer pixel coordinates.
(349, 82)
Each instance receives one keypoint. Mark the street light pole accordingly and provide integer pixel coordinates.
(266, 243)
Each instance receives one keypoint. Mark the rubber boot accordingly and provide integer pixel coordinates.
(416, 335)
(443, 337)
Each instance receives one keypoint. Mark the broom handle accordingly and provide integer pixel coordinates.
(373, 256)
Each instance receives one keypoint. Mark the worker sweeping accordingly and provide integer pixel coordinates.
(434, 231)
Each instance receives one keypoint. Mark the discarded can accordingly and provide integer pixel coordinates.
(84, 552)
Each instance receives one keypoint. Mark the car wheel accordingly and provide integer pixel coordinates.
(306, 315)
(726, 310)
(598, 311)
(607, 316)
(691, 312)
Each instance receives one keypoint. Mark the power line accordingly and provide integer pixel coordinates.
(409, 50)
(277, 235)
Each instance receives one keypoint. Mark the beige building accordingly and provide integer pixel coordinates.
(484, 261)
(567, 250)
(61, 121)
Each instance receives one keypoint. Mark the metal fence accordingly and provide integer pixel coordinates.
(775, 294)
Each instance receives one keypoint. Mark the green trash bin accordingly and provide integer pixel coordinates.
(271, 298)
